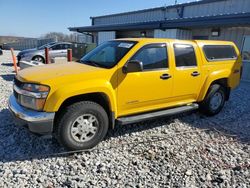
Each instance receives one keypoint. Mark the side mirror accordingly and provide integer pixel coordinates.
(132, 66)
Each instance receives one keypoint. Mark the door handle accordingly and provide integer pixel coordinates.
(236, 71)
(195, 73)
(165, 76)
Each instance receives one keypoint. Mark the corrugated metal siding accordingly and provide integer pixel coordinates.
(184, 34)
(173, 33)
(208, 9)
(234, 34)
(131, 18)
(216, 8)
(169, 33)
(133, 34)
(106, 36)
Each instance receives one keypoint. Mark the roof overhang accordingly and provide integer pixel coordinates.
(232, 20)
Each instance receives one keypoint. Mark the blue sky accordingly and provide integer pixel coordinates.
(32, 18)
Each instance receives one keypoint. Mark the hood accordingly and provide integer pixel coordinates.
(53, 72)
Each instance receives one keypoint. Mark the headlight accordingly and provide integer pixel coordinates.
(32, 96)
(40, 89)
(32, 103)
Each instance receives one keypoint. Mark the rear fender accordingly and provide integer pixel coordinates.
(216, 75)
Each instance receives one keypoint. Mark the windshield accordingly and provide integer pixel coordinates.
(46, 45)
(108, 54)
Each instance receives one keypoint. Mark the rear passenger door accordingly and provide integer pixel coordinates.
(187, 73)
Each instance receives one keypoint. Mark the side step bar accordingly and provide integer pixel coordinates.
(152, 115)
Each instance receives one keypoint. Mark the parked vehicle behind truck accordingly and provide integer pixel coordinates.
(125, 81)
(57, 49)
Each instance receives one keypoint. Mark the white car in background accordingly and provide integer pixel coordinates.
(56, 49)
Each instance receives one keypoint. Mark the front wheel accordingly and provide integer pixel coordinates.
(82, 126)
(214, 101)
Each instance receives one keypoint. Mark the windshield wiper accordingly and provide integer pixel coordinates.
(93, 63)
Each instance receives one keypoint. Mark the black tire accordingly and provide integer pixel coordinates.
(38, 58)
(65, 123)
(207, 107)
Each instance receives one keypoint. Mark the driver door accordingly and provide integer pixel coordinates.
(149, 89)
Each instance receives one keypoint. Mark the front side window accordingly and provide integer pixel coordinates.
(153, 56)
(108, 54)
(219, 52)
(57, 47)
(184, 55)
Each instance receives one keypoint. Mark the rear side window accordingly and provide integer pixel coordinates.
(184, 55)
(219, 52)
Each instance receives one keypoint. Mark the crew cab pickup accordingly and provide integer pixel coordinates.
(125, 81)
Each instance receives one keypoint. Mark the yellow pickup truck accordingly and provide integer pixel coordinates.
(125, 81)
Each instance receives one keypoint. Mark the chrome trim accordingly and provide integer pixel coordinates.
(41, 95)
(28, 115)
(187, 67)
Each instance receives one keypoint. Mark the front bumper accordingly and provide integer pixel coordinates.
(38, 122)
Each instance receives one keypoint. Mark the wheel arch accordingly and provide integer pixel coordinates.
(223, 81)
(98, 97)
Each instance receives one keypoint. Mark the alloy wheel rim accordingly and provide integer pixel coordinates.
(39, 59)
(216, 101)
(84, 128)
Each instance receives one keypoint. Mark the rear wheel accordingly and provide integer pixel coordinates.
(82, 126)
(38, 59)
(214, 101)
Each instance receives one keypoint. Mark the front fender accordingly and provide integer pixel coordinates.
(216, 75)
(57, 97)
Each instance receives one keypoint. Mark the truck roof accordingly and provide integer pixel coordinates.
(199, 42)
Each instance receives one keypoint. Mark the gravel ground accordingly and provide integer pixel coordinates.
(183, 151)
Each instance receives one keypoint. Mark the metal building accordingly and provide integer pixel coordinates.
(205, 19)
